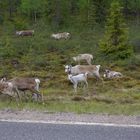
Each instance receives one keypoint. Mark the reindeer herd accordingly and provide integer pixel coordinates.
(18, 86)
(79, 73)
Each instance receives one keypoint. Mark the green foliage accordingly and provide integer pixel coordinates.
(20, 23)
(43, 57)
(58, 12)
(6, 48)
(115, 45)
(31, 7)
(100, 11)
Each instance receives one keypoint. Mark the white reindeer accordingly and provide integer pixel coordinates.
(86, 57)
(77, 79)
(64, 35)
(112, 74)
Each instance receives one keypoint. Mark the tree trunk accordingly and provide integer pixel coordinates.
(35, 16)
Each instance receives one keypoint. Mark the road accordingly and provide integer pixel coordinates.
(48, 131)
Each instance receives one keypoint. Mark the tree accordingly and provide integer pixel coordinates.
(32, 7)
(115, 45)
(87, 13)
(100, 10)
(91, 14)
(8, 8)
(58, 12)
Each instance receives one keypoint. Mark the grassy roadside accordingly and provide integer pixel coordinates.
(106, 99)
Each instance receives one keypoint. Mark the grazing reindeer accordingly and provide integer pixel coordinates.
(78, 69)
(24, 84)
(86, 57)
(78, 78)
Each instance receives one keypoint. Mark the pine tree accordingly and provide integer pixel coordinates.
(115, 45)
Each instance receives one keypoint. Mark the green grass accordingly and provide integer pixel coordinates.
(94, 107)
(42, 57)
(93, 100)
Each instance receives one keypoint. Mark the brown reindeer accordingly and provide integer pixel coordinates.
(25, 33)
(24, 84)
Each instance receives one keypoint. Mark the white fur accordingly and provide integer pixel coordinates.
(86, 57)
(78, 69)
(37, 84)
(64, 35)
(112, 74)
(78, 78)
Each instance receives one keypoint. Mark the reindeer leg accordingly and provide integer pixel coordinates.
(17, 92)
(75, 88)
(34, 91)
(87, 84)
(13, 97)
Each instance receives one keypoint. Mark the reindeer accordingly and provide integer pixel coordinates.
(86, 57)
(25, 33)
(24, 84)
(77, 79)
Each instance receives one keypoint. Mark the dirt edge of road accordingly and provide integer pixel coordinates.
(8, 114)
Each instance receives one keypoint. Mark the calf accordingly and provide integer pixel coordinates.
(78, 78)
(86, 57)
(112, 74)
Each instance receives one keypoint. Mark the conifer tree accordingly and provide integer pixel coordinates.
(114, 44)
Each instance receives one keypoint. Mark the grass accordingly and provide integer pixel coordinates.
(93, 100)
(94, 107)
(42, 57)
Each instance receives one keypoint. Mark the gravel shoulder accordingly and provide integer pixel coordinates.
(8, 114)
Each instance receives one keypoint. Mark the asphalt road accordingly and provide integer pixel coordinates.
(42, 131)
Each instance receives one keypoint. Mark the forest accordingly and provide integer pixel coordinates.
(107, 29)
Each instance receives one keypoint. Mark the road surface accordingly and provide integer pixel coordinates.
(54, 131)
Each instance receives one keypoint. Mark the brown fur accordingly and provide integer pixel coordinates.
(85, 68)
(25, 84)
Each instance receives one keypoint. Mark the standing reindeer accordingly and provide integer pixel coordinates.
(23, 84)
(86, 57)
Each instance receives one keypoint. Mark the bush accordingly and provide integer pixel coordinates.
(20, 23)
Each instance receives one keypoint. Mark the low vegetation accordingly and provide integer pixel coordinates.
(44, 57)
